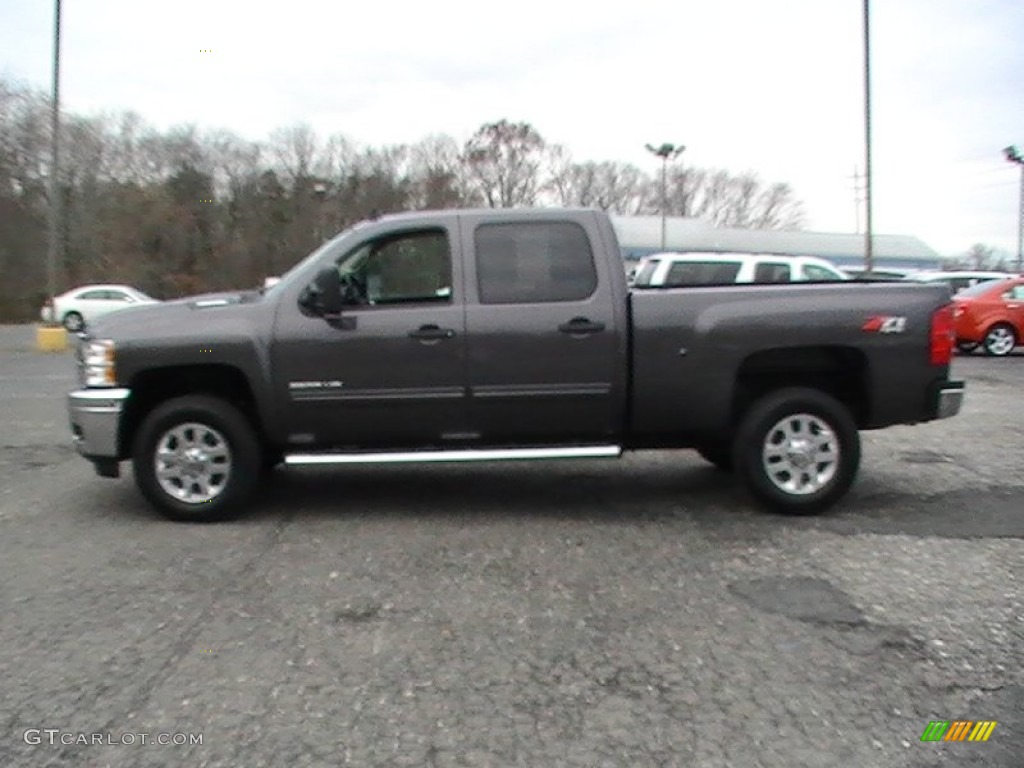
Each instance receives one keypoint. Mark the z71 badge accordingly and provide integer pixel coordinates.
(885, 324)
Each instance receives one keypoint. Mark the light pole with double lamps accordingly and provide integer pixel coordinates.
(666, 152)
(1013, 155)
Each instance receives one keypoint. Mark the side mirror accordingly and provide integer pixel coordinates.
(322, 297)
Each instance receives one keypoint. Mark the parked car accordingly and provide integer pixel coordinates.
(682, 269)
(990, 315)
(958, 280)
(79, 307)
(885, 273)
(504, 335)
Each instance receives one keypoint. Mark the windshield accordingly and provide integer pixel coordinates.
(287, 276)
(979, 288)
(646, 272)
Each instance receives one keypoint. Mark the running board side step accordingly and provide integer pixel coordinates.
(417, 457)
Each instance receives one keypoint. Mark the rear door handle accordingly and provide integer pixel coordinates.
(431, 333)
(581, 326)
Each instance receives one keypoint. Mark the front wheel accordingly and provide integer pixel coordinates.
(1000, 340)
(797, 450)
(196, 459)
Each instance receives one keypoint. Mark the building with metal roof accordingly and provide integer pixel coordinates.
(641, 236)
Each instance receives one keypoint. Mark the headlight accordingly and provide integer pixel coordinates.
(98, 369)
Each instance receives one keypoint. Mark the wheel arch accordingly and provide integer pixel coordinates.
(154, 386)
(839, 371)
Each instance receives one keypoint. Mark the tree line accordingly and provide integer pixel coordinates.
(183, 211)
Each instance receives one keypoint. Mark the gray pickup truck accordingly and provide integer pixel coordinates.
(502, 335)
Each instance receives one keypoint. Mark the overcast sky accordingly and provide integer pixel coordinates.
(770, 86)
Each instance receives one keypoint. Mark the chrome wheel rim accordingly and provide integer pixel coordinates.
(73, 322)
(800, 454)
(192, 462)
(999, 341)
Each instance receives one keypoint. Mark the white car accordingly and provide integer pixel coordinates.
(81, 306)
(958, 279)
(679, 269)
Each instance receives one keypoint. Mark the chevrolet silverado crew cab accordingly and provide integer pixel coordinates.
(501, 335)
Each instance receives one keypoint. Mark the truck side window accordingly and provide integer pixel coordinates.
(525, 263)
(410, 267)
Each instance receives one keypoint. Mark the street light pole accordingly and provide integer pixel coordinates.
(869, 256)
(54, 223)
(1013, 155)
(666, 152)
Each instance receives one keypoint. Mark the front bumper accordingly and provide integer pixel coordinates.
(949, 399)
(95, 416)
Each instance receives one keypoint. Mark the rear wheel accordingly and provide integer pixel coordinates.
(797, 450)
(967, 346)
(1000, 340)
(196, 459)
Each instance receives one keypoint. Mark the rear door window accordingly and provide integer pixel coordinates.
(683, 273)
(772, 272)
(533, 262)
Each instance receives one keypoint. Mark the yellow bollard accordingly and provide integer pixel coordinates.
(51, 338)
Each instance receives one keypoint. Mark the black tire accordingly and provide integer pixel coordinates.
(73, 322)
(717, 454)
(236, 479)
(967, 346)
(270, 461)
(809, 409)
(1000, 340)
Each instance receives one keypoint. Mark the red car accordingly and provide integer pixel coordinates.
(990, 315)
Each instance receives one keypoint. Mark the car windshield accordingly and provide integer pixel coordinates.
(646, 272)
(979, 288)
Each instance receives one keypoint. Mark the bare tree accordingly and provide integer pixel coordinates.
(295, 148)
(733, 201)
(614, 187)
(503, 160)
(439, 176)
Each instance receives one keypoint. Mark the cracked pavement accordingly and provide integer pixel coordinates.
(583, 613)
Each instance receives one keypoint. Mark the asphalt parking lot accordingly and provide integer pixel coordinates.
(587, 613)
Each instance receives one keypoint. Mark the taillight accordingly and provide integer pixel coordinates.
(943, 336)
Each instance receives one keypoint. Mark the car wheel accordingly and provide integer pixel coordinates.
(74, 322)
(717, 454)
(1000, 340)
(797, 450)
(196, 459)
(967, 346)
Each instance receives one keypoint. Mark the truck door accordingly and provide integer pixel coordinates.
(546, 358)
(390, 372)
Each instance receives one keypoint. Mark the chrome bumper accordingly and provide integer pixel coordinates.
(95, 416)
(950, 399)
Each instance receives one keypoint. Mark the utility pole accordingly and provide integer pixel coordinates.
(869, 257)
(53, 248)
(666, 152)
(1013, 155)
